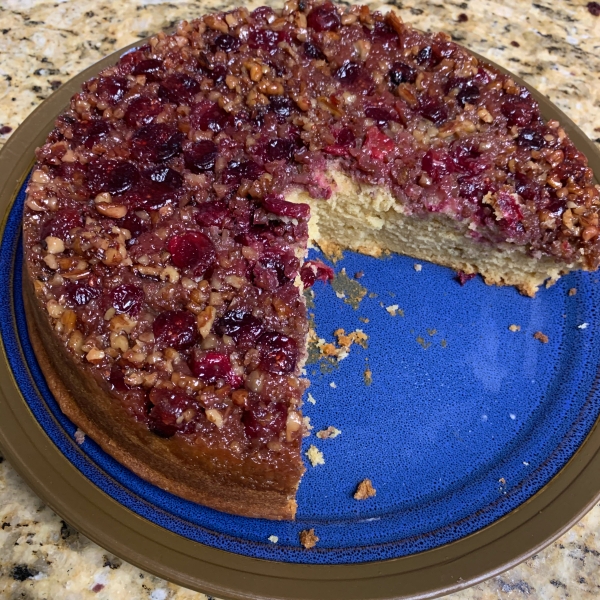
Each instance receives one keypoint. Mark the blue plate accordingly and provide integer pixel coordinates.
(460, 421)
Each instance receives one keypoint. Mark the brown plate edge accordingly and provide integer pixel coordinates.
(500, 546)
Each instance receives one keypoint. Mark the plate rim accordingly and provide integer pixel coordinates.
(501, 545)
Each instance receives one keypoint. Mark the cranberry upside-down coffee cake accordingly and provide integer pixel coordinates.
(169, 213)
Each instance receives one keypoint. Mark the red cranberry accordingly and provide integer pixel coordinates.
(211, 213)
(594, 8)
(474, 188)
(263, 39)
(348, 73)
(148, 195)
(437, 163)
(117, 380)
(178, 88)
(61, 223)
(263, 14)
(382, 33)
(150, 67)
(134, 224)
(264, 420)
(402, 73)
(127, 298)
(227, 42)
(156, 143)
(201, 156)
(377, 144)
(282, 106)
(278, 352)
(464, 277)
(428, 56)
(112, 176)
(79, 293)
(90, 133)
(433, 109)
(345, 137)
(210, 366)
(324, 18)
(509, 208)
(167, 177)
(141, 111)
(209, 116)
(280, 149)
(241, 326)
(164, 418)
(315, 270)
(175, 329)
(467, 158)
(237, 170)
(111, 89)
(380, 115)
(192, 250)
(528, 188)
(468, 95)
(218, 74)
(518, 111)
(312, 51)
(530, 138)
(277, 205)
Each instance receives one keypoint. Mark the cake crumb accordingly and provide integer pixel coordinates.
(514, 327)
(79, 436)
(306, 426)
(368, 376)
(423, 343)
(538, 335)
(329, 433)
(332, 385)
(502, 481)
(572, 291)
(364, 319)
(583, 326)
(308, 538)
(315, 456)
(432, 332)
(273, 539)
(359, 274)
(364, 490)
(311, 399)
(392, 309)
(443, 343)
(348, 289)
(418, 267)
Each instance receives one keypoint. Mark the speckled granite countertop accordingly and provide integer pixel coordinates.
(553, 44)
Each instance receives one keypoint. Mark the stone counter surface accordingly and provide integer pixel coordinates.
(553, 44)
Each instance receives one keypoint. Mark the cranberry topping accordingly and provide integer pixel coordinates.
(156, 143)
(324, 17)
(175, 329)
(278, 352)
(280, 149)
(141, 111)
(178, 88)
(134, 224)
(311, 50)
(211, 213)
(150, 67)
(209, 116)
(278, 205)
(227, 42)
(348, 73)
(263, 39)
(237, 170)
(210, 366)
(90, 133)
(519, 111)
(402, 73)
(61, 223)
(192, 250)
(168, 415)
(380, 115)
(464, 277)
(241, 326)
(282, 106)
(112, 176)
(201, 156)
(111, 89)
(433, 109)
(530, 138)
(127, 298)
(437, 163)
(315, 270)
(79, 293)
(264, 420)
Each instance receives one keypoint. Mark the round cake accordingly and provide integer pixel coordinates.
(169, 212)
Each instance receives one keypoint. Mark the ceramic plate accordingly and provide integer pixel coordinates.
(479, 440)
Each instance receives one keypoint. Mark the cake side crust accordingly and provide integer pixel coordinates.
(150, 457)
